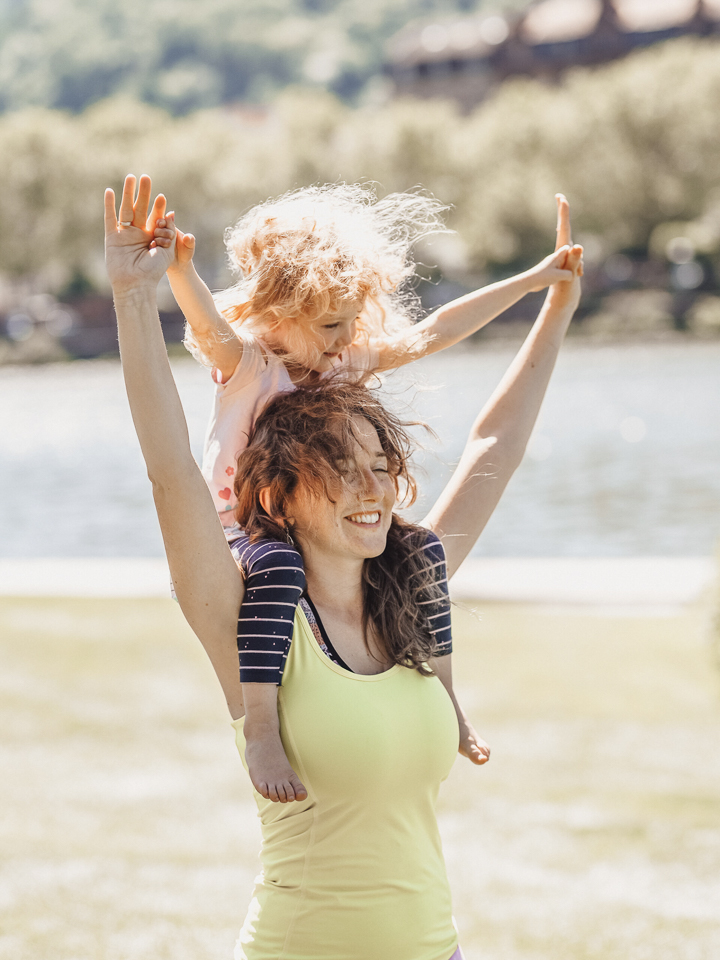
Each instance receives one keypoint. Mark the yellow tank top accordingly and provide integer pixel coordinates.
(356, 871)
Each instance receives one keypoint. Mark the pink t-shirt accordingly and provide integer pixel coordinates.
(258, 377)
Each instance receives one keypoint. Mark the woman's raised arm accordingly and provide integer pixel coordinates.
(498, 437)
(206, 579)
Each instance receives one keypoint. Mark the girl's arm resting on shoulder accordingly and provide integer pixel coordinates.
(207, 581)
(498, 437)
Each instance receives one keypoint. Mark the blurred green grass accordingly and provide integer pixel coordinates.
(129, 831)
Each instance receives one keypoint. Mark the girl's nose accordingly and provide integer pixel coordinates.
(347, 336)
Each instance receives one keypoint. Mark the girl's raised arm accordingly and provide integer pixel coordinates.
(206, 579)
(212, 333)
(466, 315)
(498, 438)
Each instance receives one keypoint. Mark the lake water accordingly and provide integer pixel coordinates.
(625, 459)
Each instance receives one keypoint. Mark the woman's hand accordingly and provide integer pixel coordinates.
(563, 265)
(134, 260)
(565, 295)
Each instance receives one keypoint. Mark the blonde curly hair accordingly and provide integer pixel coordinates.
(312, 251)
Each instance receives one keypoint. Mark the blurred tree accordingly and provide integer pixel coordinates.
(634, 146)
(184, 55)
(43, 207)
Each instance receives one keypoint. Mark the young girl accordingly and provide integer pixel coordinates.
(322, 290)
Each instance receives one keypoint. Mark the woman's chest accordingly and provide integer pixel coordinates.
(366, 736)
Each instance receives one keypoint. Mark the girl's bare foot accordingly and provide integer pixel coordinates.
(471, 745)
(269, 768)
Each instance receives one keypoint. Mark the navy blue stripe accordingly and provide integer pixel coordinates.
(438, 611)
(274, 583)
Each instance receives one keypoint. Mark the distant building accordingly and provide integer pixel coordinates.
(464, 59)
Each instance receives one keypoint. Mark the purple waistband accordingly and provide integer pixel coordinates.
(458, 955)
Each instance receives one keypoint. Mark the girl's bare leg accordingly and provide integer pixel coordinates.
(267, 763)
(471, 744)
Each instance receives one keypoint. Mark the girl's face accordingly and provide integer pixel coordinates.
(355, 523)
(333, 333)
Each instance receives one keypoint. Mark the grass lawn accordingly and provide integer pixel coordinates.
(128, 828)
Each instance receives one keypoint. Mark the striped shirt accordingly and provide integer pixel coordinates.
(275, 582)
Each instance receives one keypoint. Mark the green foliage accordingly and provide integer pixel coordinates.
(634, 146)
(45, 222)
(185, 55)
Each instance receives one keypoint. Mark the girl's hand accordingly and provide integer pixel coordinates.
(550, 270)
(165, 232)
(133, 257)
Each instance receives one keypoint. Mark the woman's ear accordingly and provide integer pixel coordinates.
(266, 501)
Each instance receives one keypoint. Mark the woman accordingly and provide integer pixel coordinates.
(354, 872)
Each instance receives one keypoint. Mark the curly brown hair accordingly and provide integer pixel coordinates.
(302, 437)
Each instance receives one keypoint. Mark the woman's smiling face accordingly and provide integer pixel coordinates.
(354, 524)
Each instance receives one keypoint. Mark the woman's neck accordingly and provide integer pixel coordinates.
(335, 584)
(336, 591)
